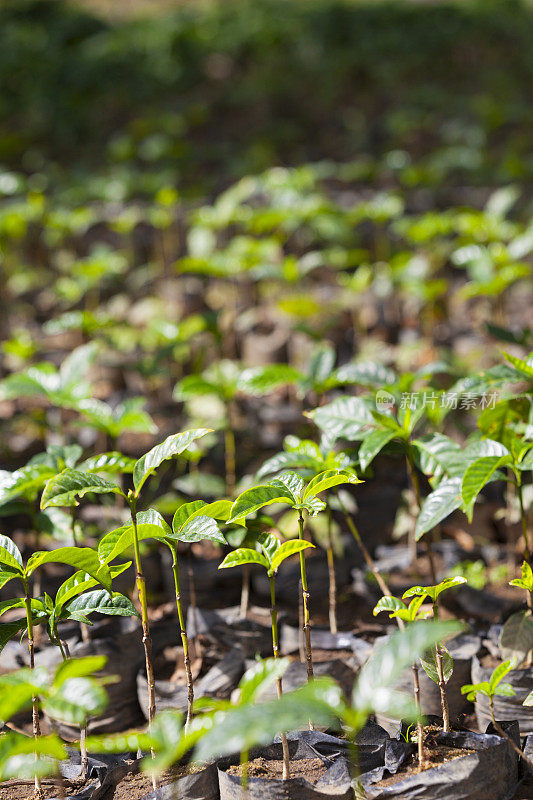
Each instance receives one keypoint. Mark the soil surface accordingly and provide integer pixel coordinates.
(311, 769)
(435, 757)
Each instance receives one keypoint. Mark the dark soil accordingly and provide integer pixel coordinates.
(137, 784)
(311, 769)
(435, 755)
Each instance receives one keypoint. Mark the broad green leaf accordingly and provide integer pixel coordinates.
(13, 701)
(526, 581)
(473, 689)
(255, 498)
(379, 675)
(346, 417)
(366, 373)
(23, 757)
(112, 462)
(500, 672)
(76, 700)
(76, 364)
(218, 509)
(10, 555)
(516, 638)
(291, 481)
(433, 592)
(389, 604)
(150, 525)
(477, 475)
(288, 549)
(260, 677)
(81, 581)
(82, 558)
(372, 445)
(171, 447)
(261, 380)
(24, 481)
(429, 665)
(101, 602)
(65, 488)
(438, 505)
(7, 605)
(523, 367)
(287, 461)
(10, 629)
(118, 743)
(328, 479)
(244, 555)
(409, 614)
(243, 727)
(504, 690)
(529, 700)
(198, 528)
(78, 668)
(497, 422)
(439, 456)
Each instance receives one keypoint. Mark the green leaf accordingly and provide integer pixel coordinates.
(526, 581)
(18, 759)
(516, 638)
(76, 364)
(260, 677)
(24, 481)
(76, 700)
(112, 462)
(433, 592)
(101, 602)
(65, 488)
(438, 505)
(439, 456)
(365, 373)
(389, 604)
(7, 605)
(523, 367)
(261, 380)
(244, 555)
(243, 727)
(292, 482)
(10, 555)
(328, 479)
(10, 629)
(82, 558)
(218, 509)
(150, 525)
(346, 417)
(288, 549)
(429, 665)
(78, 668)
(374, 444)
(198, 528)
(477, 475)
(257, 497)
(374, 689)
(287, 461)
(171, 447)
(500, 672)
(15, 700)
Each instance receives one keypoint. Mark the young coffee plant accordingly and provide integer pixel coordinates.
(310, 459)
(69, 693)
(438, 665)
(69, 485)
(516, 637)
(396, 608)
(495, 688)
(272, 556)
(291, 490)
(193, 522)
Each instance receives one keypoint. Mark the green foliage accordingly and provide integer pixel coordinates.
(494, 687)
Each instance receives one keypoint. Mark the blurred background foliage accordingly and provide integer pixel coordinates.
(199, 94)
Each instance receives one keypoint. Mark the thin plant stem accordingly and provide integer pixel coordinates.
(183, 633)
(523, 518)
(332, 579)
(419, 728)
(34, 707)
(442, 682)
(245, 591)
(279, 684)
(506, 736)
(305, 597)
(147, 641)
(229, 453)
